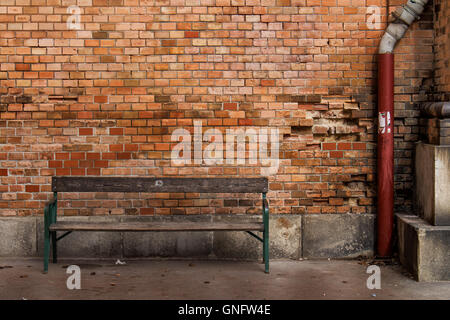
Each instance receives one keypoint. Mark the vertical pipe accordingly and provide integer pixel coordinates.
(402, 18)
(385, 154)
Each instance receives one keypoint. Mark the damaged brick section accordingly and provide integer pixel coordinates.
(328, 144)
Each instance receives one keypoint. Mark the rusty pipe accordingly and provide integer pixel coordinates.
(402, 18)
(436, 109)
(385, 154)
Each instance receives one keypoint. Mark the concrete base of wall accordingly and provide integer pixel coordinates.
(424, 249)
(291, 236)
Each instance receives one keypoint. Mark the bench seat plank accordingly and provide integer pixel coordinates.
(155, 226)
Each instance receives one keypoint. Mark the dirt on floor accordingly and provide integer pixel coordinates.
(195, 279)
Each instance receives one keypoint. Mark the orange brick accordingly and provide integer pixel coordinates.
(85, 131)
(22, 67)
(116, 131)
(191, 34)
(101, 99)
(32, 188)
(359, 146)
(147, 211)
(336, 154)
(267, 83)
(329, 146)
(344, 146)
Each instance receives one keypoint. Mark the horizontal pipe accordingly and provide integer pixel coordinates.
(436, 109)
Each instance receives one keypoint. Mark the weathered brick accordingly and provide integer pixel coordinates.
(104, 100)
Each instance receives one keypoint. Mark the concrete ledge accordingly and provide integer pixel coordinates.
(424, 250)
(291, 237)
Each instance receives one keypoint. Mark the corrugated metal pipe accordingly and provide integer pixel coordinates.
(401, 20)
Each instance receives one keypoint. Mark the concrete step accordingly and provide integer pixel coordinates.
(424, 249)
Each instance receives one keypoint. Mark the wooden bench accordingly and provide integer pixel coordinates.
(138, 184)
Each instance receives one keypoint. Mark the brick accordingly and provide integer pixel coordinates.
(344, 146)
(116, 131)
(191, 34)
(359, 146)
(100, 35)
(101, 99)
(329, 146)
(86, 131)
(23, 67)
(147, 211)
(267, 83)
(32, 188)
(336, 154)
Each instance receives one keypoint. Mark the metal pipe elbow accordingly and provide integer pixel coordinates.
(394, 32)
(403, 17)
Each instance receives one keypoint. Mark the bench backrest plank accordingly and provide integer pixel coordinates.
(138, 184)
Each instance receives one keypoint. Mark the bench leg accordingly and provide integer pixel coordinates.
(46, 251)
(264, 248)
(265, 209)
(54, 248)
(266, 252)
(46, 239)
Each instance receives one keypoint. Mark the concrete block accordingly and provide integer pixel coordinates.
(433, 183)
(338, 235)
(18, 237)
(284, 234)
(424, 249)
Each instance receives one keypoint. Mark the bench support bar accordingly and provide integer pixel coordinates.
(64, 235)
(255, 236)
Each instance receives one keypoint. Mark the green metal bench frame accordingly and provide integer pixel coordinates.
(118, 184)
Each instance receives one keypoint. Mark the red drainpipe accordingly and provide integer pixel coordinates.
(385, 154)
(402, 18)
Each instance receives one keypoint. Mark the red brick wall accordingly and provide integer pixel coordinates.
(442, 49)
(104, 100)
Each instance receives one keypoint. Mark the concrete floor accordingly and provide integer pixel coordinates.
(175, 279)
